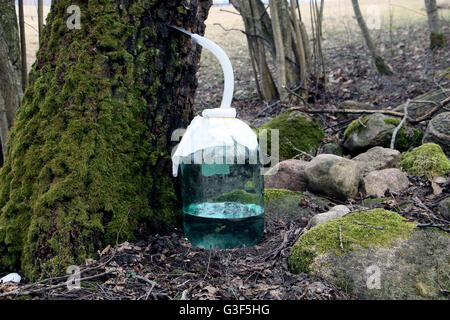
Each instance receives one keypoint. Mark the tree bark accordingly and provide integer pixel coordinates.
(89, 155)
(436, 36)
(380, 64)
(10, 73)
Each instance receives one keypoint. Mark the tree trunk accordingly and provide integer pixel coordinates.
(40, 17)
(89, 155)
(436, 36)
(380, 64)
(10, 73)
(23, 45)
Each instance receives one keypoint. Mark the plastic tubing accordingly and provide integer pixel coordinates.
(225, 62)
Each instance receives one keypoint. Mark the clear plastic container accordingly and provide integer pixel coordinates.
(223, 202)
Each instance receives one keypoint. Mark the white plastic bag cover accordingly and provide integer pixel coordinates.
(217, 127)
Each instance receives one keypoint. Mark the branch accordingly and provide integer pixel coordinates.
(400, 125)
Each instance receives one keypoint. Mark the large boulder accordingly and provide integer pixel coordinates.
(417, 110)
(377, 158)
(376, 254)
(376, 130)
(428, 159)
(438, 131)
(333, 213)
(288, 174)
(377, 183)
(333, 175)
(296, 130)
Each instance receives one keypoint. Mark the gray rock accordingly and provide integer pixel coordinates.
(438, 131)
(376, 183)
(334, 213)
(408, 269)
(331, 148)
(288, 174)
(375, 132)
(333, 175)
(444, 208)
(377, 158)
(417, 110)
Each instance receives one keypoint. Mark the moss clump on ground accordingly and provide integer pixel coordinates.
(240, 196)
(355, 126)
(428, 159)
(324, 238)
(303, 132)
(272, 194)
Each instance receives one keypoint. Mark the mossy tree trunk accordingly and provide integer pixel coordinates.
(89, 155)
(10, 73)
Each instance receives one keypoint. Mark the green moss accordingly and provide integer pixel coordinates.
(240, 196)
(355, 126)
(303, 132)
(428, 159)
(437, 40)
(406, 137)
(382, 67)
(324, 238)
(272, 194)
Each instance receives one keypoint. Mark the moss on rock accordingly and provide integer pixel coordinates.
(324, 238)
(303, 132)
(355, 126)
(272, 194)
(428, 159)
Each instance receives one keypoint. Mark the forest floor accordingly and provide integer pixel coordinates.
(166, 266)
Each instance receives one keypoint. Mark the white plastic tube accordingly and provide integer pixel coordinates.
(225, 62)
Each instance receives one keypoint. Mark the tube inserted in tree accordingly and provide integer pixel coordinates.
(224, 62)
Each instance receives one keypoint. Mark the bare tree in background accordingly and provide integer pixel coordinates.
(380, 64)
(436, 35)
(40, 17)
(278, 46)
(23, 46)
(10, 72)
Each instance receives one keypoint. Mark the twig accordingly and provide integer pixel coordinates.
(19, 292)
(298, 150)
(400, 125)
(152, 283)
(207, 267)
(433, 225)
(367, 225)
(357, 111)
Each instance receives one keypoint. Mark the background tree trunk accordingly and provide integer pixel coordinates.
(23, 45)
(379, 62)
(436, 36)
(10, 72)
(89, 155)
(40, 17)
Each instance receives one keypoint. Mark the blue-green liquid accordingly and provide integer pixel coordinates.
(223, 225)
